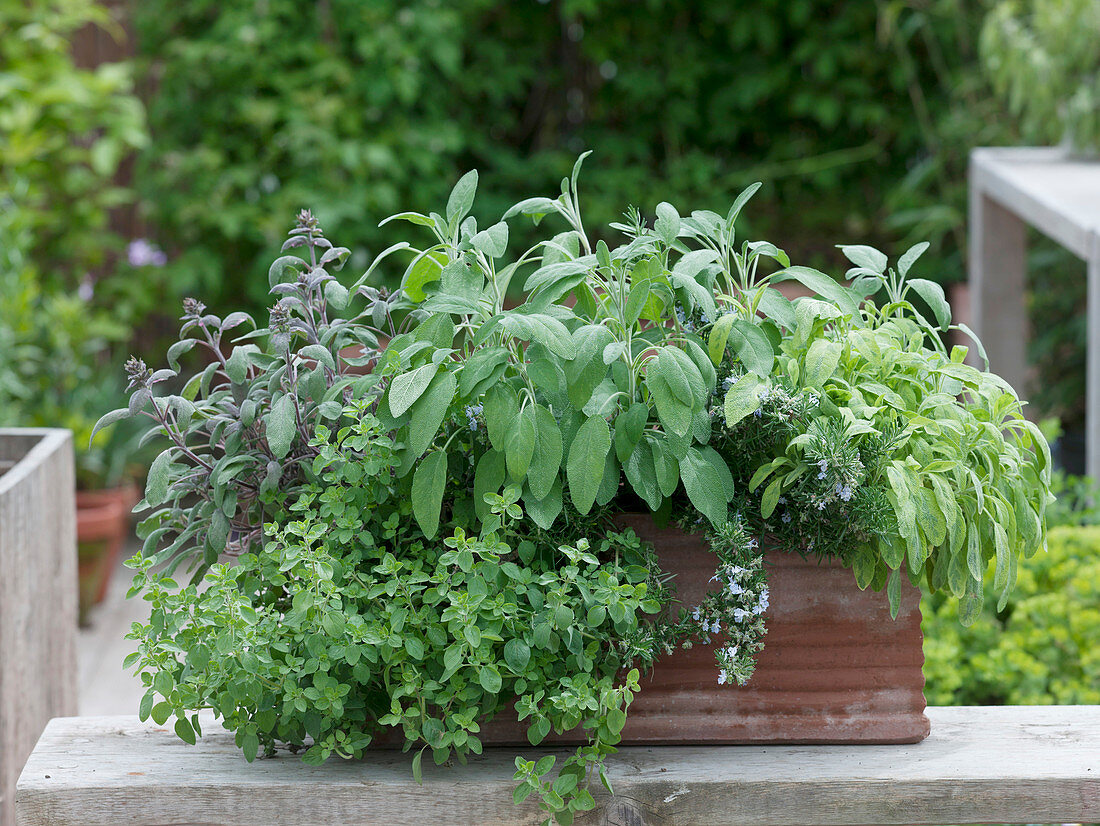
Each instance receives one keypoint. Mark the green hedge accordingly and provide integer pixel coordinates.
(1043, 648)
(858, 116)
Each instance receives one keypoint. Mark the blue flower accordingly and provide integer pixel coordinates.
(472, 412)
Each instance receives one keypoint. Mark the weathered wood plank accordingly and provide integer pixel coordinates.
(38, 595)
(1023, 764)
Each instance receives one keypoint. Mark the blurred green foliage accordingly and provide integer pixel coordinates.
(1044, 59)
(859, 117)
(1043, 648)
(64, 132)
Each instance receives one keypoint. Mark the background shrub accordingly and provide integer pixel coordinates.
(859, 116)
(64, 132)
(1043, 648)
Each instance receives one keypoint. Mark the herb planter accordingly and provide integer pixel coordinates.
(37, 594)
(835, 668)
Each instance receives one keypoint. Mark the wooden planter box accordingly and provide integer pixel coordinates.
(38, 594)
(835, 668)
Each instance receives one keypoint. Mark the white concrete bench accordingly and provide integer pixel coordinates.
(1023, 764)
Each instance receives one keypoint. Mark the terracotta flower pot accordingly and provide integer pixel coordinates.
(835, 668)
(102, 525)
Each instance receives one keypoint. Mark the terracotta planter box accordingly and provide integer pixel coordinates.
(37, 594)
(835, 668)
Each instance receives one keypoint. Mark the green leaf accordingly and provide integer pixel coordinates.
(160, 713)
(236, 366)
(893, 592)
(417, 770)
(501, 409)
(674, 414)
(699, 296)
(545, 510)
(770, 498)
(609, 483)
(824, 286)
(336, 295)
(667, 225)
(974, 562)
(428, 412)
(109, 419)
(704, 487)
(531, 206)
(488, 478)
(933, 295)
(666, 465)
(424, 269)
(492, 241)
(411, 217)
(462, 197)
(280, 426)
(461, 283)
(429, 482)
(318, 353)
(587, 369)
(517, 654)
(184, 730)
(490, 679)
(822, 359)
(743, 398)
(480, 366)
(546, 460)
(752, 347)
(641, 473)
(777, 307)
(863, 256)
(156, 483)
(585, 466)
(910, 257)
(545, 329)
(519, 444)
(629, 426)
(406, 388)
(719, 335)
(635, 302)
(721, 468)
(681, 375)
(554, 273)
(285, 268)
